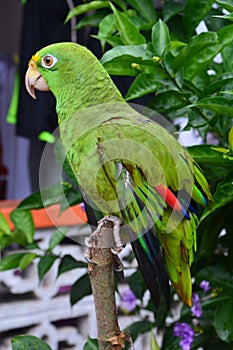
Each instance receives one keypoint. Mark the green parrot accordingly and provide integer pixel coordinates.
(129, 168)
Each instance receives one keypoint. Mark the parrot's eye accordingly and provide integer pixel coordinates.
(48, 61)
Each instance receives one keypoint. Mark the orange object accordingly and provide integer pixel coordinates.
(47, 217)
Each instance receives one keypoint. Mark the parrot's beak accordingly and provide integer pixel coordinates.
(34, 80)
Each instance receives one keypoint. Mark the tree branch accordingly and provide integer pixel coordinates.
(101, 274)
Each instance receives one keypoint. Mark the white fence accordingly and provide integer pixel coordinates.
(44, 310)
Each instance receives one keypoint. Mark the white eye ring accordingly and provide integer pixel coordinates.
(48, 61)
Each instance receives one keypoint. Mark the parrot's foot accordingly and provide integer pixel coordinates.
(87, 257)
(118, 246)
(96, 241)
(119, 167)
(118, 266)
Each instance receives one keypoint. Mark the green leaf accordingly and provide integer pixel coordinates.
(92, 20)
(222, 196)
(218, 277)
(193, 49)
(227, 53)
(68, 263)
(217, 104)
(153, 342)
(206, 155)
(230, 139)
(225, 36)
(194, 12)
(112, 40)
(169, 103)
(45, 264)
(72, 197)
(137, 284)
(11, 261)
(198, 65)
(22, 219)
(143, 84)
(228, 16)
(33, 201)
(215, 301)
(26, 260)
(218, 83)
(15, 237)
(226, 4)
(106, 28)
(63, 193)
(61, 157)
(121, 4)
(91, 344)
(145, 9)
(128, 31)
(160, 38)
(80, 289)
(215, 165)
(134, 51)
(121, 59)
(172, 8)
(56, 238)
(46, 197)
(91, 6)
(151, 81)
(4, 226)
(29, 342)
(223, 321)
(140, 327)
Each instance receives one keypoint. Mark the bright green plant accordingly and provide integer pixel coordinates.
(178, 71)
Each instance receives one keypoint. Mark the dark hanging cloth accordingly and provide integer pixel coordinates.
(43, 24)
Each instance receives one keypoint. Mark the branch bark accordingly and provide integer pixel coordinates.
(101, 274)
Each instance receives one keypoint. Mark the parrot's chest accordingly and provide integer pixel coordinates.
(93, 163)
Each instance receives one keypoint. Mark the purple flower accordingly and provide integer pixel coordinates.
(211, 139)
(82, 206)
(185, 344)
(64, 289)
(186, 333)
(205, 285)
(128, 300)
(196, 308)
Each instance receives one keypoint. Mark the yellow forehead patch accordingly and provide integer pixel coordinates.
(36, 57)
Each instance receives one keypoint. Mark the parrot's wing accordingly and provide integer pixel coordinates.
(131, 167)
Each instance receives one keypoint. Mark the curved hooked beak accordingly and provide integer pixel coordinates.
(34, 80)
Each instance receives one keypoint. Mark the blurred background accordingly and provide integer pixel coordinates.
(13, 149)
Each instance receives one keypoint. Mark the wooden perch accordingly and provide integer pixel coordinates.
(101, 274)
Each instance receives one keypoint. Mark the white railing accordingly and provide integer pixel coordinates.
(44, 310)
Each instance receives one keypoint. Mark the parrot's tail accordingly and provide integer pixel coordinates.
(147, 251)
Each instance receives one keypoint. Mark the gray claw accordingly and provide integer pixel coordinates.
(119, 170)
(87, 257)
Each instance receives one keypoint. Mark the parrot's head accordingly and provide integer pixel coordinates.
(73, 74)
(53, 66)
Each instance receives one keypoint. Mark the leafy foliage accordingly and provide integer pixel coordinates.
(28, 342)
(80, 289)
(183, 73)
